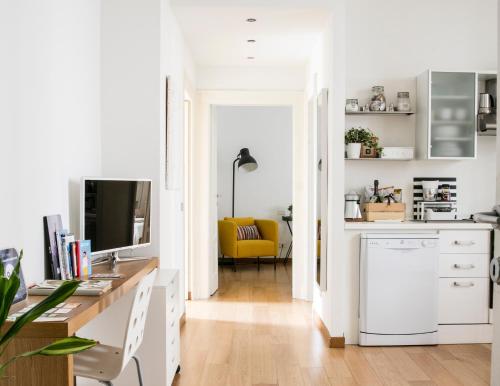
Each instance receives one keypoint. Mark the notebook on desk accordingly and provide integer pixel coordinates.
(86, 288)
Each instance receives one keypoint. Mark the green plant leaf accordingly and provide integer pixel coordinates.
(64, 291)
(8, 291)
(66, 346)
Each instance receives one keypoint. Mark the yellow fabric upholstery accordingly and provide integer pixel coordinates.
(241, 221)
(253, 248)
(232, 247)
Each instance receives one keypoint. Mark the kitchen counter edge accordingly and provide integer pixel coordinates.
(348, 225)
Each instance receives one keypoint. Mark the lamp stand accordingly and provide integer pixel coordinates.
(234, 164)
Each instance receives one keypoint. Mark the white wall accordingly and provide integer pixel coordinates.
(267, 132)
(444, 35)
(250, 78)
(50, 72)
(326, 69)
(141, 46)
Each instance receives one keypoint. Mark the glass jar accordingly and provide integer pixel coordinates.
(378, 102)
(404, 101)
(351, 105)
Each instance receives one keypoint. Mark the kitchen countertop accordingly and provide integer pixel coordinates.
(405, 225)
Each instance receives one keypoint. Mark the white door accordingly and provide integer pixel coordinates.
(214, 240)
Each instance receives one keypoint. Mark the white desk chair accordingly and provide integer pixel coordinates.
(105, 363)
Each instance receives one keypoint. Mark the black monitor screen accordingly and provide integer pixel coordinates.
(117, 213)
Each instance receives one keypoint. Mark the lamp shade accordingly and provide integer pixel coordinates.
(246, 161)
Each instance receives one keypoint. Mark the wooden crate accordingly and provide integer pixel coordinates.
(384, 211)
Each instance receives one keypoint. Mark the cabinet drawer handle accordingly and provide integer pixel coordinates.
(173, 308)
(464, 266)
(172, 296)
(172, 324)
(463, 285)
(464, 243)
(173, 341)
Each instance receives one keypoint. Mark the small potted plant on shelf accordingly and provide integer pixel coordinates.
(361, 143)
(9, 284)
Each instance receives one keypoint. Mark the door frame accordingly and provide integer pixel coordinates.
(204, 251)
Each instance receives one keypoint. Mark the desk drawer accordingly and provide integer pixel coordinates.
(467, 241)
(463, 300)
(463, 265)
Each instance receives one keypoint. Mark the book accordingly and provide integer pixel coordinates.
(51, 225)
(72, 249)
(66, 240)
(85, 258)
(86, 287)
(62, 261)
(78, 259)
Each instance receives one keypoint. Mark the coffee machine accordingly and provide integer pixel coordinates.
(352, 210)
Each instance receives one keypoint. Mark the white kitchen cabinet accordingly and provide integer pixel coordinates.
(463, 301)
(446, 116)
(464, 277)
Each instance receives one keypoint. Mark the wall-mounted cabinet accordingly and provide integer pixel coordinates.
(446, 116)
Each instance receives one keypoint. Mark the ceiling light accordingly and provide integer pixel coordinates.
(250, 57)
(251, 41)
(251, 20)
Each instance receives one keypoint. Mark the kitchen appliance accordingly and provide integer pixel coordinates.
(487, 113)
(352, 211)
(399, 289)
(486, 103)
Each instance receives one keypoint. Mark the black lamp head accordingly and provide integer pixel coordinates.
(246, 161)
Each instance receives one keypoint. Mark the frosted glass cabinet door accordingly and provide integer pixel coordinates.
(453, 112)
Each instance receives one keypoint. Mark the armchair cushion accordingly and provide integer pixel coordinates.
(253, 248)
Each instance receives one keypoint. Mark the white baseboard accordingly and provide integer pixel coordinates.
(465, 333)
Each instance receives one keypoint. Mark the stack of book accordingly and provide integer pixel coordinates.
(68, 258)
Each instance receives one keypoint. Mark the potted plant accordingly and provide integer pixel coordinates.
(355, 138)
(8, 289)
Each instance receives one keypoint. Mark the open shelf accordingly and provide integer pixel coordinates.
(378, 159)
(380, 113)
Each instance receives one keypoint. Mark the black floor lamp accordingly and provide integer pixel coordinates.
(245, 161)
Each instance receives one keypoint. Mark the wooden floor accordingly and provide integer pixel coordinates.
(252, 333)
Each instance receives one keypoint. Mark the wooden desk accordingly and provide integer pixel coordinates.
(58, 371)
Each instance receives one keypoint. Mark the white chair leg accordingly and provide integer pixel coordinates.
(139, 373)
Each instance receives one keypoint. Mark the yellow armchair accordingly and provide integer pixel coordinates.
(234, 248)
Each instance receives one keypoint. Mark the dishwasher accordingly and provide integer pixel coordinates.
(398, 289)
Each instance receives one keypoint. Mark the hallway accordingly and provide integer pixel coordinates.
(252, 333)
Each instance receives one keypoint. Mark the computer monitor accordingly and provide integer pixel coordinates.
(115, 214)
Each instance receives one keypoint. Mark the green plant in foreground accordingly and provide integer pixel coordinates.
(8, 289)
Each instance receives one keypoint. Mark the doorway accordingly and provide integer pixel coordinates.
(205, 271)
(265, 191)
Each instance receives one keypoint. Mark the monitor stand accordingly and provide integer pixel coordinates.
(114, 259)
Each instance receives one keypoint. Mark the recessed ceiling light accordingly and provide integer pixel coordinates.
(250, 57)
(251, 20)
(251, 41)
